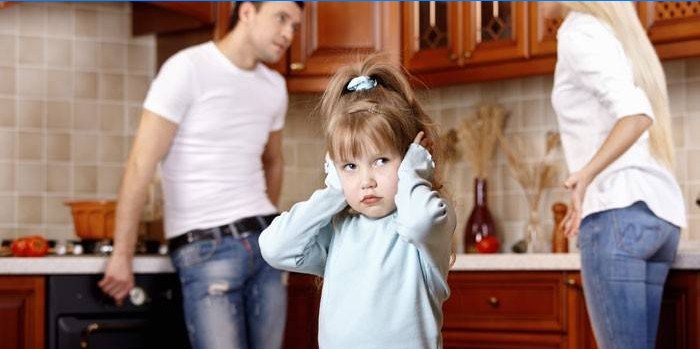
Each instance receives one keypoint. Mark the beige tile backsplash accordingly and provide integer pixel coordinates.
(72, 81)
(66, 71)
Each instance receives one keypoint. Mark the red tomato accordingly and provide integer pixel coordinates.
(30, 246)
(38, 247)
(488, 244)
(19, 247)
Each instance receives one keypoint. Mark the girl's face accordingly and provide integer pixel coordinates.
(370, 181)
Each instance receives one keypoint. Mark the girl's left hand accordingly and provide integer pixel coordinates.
(423, 141)
(577, 182)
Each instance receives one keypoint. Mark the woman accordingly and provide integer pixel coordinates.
(611, 102)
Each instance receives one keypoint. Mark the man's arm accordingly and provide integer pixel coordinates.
(273, 165)
(152, 142)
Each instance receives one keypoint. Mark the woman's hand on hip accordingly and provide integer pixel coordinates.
(577, 183)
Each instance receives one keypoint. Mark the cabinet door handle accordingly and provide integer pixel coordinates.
(493, 301)
(297, 66)
(467, 54)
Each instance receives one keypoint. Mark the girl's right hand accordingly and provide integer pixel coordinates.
(423, 141)
(332, 178)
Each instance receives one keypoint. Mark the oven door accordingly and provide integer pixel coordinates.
(115, 333)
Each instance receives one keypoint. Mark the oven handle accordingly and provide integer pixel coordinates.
(96, 327)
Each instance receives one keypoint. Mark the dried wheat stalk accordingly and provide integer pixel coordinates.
(479, 134)
(532, 177)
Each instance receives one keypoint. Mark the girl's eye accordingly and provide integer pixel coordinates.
(349, 167)
(381, 161)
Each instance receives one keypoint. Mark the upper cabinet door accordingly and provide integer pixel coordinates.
(670, 21)
(495, 31)
(333, 34)
(543, 30)
(431, 39)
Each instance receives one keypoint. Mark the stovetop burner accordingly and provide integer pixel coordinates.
(106, 246)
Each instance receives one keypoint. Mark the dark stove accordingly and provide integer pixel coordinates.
(79, 315)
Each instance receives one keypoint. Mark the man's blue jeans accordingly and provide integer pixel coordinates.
(626, 254)
(232, 297)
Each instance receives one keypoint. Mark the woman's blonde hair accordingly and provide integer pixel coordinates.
(648, 73)
(387, 116)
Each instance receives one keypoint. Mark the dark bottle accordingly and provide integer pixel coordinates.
(480, 223)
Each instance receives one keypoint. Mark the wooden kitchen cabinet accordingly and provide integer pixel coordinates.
(303, 300)
(22, 312)
(333, 34)
(542, 31)
(548, 310)
(580, 334)
(495, 31)
(439, 36)
(492, 41)
(505, 301)
(679, 325)
(476, 340)
(431, 35)
(672, 26)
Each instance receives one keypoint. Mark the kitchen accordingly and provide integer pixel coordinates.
(73, 77)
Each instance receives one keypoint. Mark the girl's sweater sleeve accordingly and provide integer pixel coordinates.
(423, 217)
(298, 239)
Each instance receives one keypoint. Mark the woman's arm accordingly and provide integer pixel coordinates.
(623, 135)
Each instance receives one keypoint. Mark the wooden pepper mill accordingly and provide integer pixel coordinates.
(560, 244)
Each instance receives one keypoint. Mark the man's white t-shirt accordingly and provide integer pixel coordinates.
(213, 174)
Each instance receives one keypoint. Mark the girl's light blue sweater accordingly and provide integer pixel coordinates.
(385, 279)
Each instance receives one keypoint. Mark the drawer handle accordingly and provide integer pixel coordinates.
(453, 56)
(571, 282)
(493, 301)
(297, 66)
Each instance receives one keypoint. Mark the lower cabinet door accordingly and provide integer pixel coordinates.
(501, 340)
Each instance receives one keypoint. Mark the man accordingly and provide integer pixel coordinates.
(213, 118)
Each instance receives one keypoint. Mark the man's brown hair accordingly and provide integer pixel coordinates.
(237, 6)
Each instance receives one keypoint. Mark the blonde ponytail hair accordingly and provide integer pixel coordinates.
(648, 72)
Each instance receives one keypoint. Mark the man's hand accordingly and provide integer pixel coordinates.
(118, 279)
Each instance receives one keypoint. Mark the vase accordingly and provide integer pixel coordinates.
(480, 223)
(534, 235)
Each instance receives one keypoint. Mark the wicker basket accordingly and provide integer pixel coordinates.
(93, 220)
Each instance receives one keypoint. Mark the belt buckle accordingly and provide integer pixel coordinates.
(237, 234)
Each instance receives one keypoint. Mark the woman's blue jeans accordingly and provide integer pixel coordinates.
(232, 298)
(626, 254)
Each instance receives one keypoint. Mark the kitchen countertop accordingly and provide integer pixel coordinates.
(687, 259)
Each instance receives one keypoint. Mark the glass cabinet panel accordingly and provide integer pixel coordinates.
(431, 35)
(495, 31)
(431, 21)
(494, 21)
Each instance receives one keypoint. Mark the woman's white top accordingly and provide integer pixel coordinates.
(593, 88)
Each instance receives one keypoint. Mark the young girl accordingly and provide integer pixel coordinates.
(379, 233)
(611, 102)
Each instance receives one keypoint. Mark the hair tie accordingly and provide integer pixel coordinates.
(361, 83)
